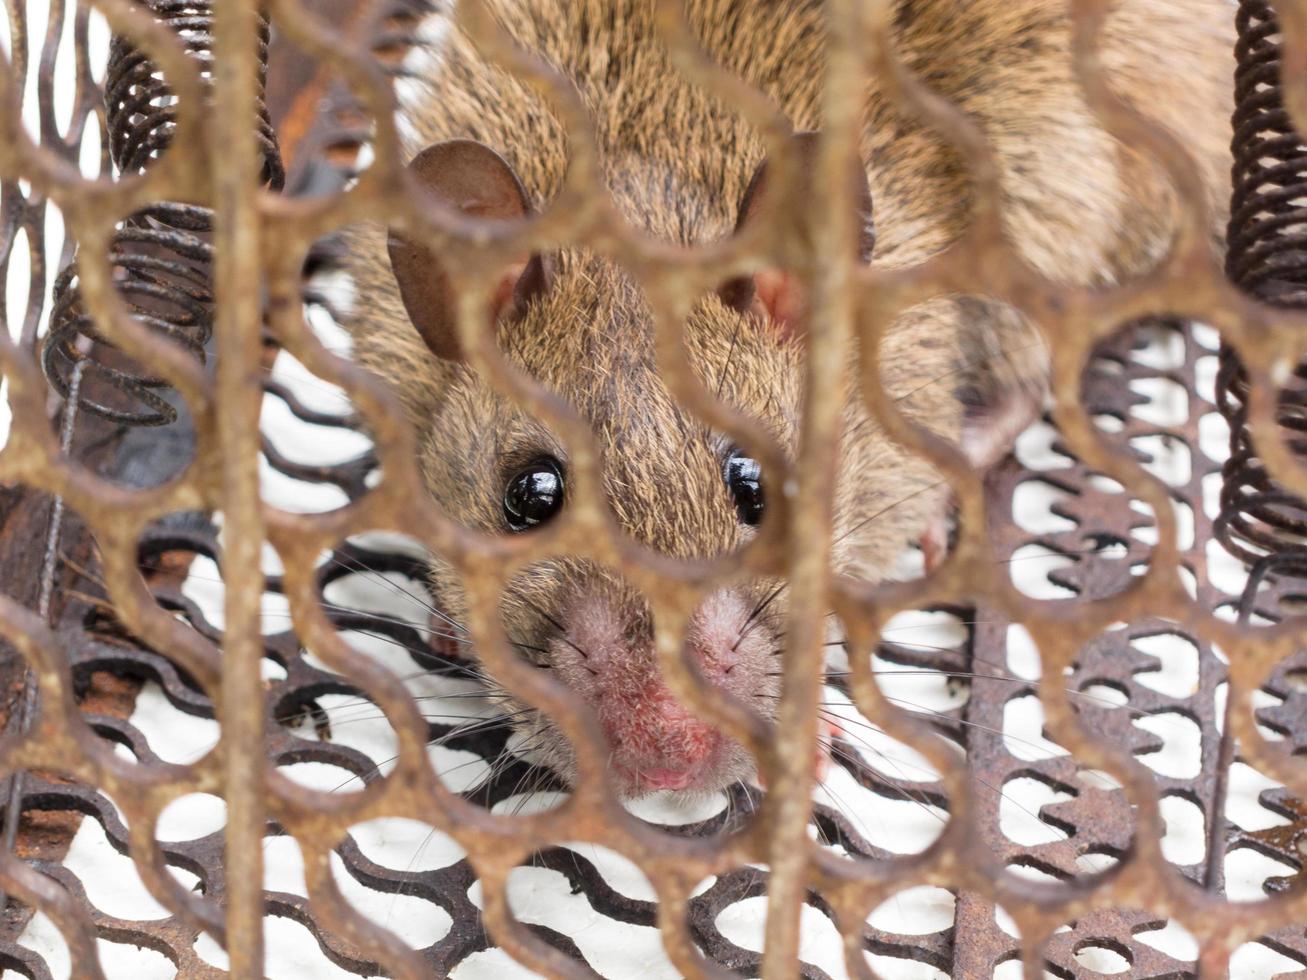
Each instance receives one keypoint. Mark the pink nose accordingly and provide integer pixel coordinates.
(657, 741)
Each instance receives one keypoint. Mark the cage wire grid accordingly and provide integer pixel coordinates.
(400, 831)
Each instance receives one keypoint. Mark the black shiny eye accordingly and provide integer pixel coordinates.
(534, 494)
(743, 478)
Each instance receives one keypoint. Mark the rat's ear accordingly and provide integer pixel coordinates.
(777, 293)
(470, 177)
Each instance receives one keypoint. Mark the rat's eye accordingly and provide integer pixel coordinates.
(744, 479)
(534, 494)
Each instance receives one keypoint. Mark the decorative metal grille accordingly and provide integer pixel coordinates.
(104, 522)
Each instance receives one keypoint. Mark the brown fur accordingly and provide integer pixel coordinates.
(1081, 208)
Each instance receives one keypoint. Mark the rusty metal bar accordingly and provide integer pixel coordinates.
(827, 257)
(237, 268)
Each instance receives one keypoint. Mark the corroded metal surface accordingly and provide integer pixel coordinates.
(1102, 883)
(161, 255)
(1266, 258)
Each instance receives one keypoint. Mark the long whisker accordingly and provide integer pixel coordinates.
(435, 716)
(407, 869)
(562, 632)
(505, 761)
(429, 606)
(967, 366)
(462, 730)
(908, 792)
(757, 612)
(730, 356)
(885, 510)
(988, 785)
(347, 610)
(929, 671)
(453, 696)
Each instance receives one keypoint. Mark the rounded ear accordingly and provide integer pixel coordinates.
(465, 176)
(776, 293)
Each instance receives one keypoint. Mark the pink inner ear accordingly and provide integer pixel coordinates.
(781, 298)
(503, 294)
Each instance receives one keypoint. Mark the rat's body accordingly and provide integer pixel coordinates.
(678, 163)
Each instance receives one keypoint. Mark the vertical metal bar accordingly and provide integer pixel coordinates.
(828, 267)
(236, 167)
(27, 702)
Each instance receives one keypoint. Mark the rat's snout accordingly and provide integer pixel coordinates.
(655, 742)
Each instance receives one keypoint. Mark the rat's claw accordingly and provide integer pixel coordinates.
(934, 543)
(831, 730)
(440, 638)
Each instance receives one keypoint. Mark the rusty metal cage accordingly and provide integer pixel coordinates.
(231, 140)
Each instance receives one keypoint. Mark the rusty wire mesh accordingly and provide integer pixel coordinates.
(119, 609)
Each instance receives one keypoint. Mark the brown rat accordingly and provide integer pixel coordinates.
(679, 164)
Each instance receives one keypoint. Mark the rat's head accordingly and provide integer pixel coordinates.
(581, 327)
